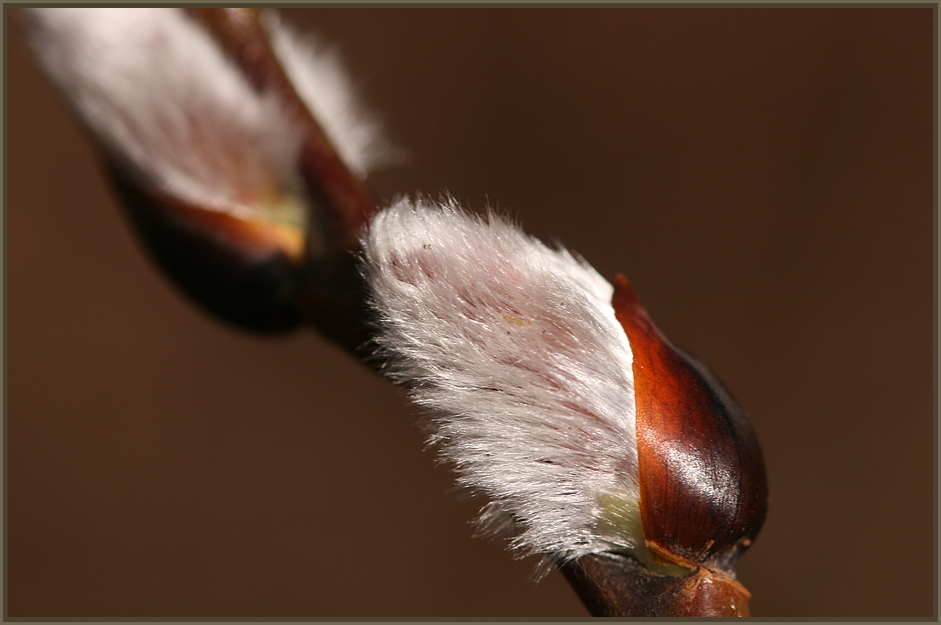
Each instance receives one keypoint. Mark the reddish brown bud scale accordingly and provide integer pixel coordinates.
(703, 490)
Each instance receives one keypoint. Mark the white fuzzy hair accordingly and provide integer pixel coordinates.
(515, 348)
(326, 88)
(159, 94)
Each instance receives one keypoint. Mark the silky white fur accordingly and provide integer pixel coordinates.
(327, 90)
(515, 348)
(158, 93)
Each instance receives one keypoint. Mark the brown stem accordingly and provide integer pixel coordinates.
(614, 585)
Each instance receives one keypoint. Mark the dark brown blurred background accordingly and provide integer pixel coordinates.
(763, 176)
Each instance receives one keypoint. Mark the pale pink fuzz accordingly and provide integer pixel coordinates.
(515, 349)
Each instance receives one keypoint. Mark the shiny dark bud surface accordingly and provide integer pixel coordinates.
(246, 273)
(703, 488)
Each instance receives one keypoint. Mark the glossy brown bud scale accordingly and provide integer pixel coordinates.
(702, 478)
